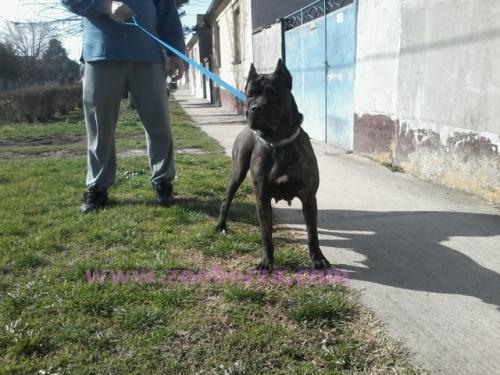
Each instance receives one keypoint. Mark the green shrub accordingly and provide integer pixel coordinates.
(40, 104)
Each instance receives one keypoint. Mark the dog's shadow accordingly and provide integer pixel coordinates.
(407, 249)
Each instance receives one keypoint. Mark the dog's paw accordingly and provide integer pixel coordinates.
(321, 264)
(221, 228)
(265, 266)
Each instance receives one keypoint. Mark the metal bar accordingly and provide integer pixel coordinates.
(326, 71)
(283, 46)
(356, 14)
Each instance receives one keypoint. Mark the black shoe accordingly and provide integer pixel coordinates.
(93, 200)
(164, 193)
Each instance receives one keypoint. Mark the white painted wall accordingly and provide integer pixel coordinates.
(434, 67)
(448, 72)
(267, 48)
(195, 76)
(378, 42)
(430, 63)
(235, 74)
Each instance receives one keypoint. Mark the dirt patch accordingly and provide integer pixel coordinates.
(56, 140)
(183, 151)
(42, 140)
(192, 151)
(42, 154)
(63, 153)
(72, 153)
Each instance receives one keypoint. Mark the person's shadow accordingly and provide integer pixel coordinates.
(406, 249)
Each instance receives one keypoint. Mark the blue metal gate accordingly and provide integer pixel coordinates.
(320, 47)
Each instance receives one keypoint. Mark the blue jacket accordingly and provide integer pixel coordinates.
(105, 39)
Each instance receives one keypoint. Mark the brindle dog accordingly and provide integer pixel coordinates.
(280, 157)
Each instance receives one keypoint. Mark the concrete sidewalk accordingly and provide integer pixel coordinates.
(426, 258)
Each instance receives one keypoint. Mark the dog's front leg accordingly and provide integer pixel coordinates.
(265, 215)
(310, 212)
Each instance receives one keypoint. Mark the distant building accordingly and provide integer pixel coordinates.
(199, 48)
(228, 28)
(194, 76)
(231, 30)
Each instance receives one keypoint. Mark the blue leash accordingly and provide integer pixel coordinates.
(205, 71)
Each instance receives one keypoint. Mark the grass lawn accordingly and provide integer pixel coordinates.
(52, 320)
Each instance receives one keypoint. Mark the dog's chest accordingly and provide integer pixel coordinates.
(282, 180)
(282, 173)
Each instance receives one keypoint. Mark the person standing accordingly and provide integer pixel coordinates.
(116, 55)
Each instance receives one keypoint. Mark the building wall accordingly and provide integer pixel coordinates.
(267, 48)
(207, 82)
(427, 90)
(190, 72)
(229, 69)
(195, 76)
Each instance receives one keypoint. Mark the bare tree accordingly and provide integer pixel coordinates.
(52, 12)
(65, 22)
(29, 40)
(49, 7)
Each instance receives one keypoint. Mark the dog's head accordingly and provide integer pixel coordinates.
(271, 107)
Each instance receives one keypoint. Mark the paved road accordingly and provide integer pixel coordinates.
(426, 258)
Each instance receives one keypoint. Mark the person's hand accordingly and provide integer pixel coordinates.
(175, 67)
(118, 11)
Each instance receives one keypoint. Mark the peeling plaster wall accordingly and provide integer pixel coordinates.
(378, 41)
(195, 76)
(376, 85)
(267, 48)
(428, 89)
(233, 72)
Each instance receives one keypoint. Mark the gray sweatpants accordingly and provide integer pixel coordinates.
(103, 87)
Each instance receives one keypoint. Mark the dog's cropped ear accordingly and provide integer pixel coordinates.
(282, 72)
(252, 75)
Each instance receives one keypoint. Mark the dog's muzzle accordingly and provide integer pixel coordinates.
(256, 116)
